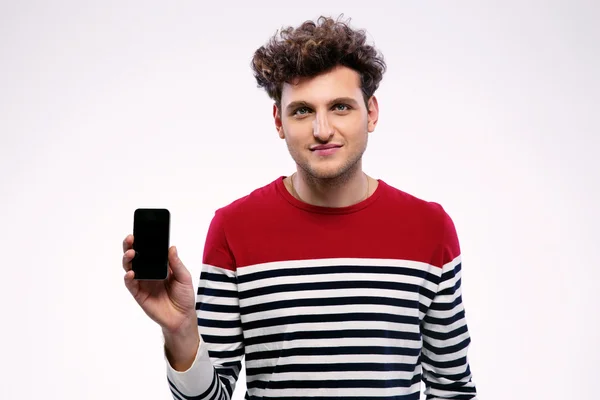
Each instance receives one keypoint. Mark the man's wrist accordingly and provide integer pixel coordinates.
(181, 346)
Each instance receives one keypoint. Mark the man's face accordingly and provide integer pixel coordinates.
(325, 122)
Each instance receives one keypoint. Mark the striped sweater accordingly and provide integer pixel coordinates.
(360, 302)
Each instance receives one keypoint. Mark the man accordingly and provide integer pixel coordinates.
(331, 284)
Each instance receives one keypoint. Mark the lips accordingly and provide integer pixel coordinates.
(326, 149)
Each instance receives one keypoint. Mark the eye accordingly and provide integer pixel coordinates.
(301, 111)
(341, 107)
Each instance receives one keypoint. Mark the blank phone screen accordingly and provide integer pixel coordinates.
(151, 243)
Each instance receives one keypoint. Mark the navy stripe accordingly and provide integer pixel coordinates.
(216, 386)
(222, 339)
(321, 302)
(335, 384)
(174, 393)
(212, 323)
(338, 269)
(204, 291)
(329, 318)
(214, 277)
(447, 349)
(217, 308)
(445, 321)
(452, 272)
(455, 377)
(226, 353)
(446, 306)
(412, 396)
(451, 290)
(333, 351)
(455, 397)
(444, 364)
(445, 335)
(456, 386)
(234, 364)
(229, 371)
(227, 384)
(294, 287)
(339, 367)
(338, 334)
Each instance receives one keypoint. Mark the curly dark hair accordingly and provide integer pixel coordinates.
(314, 48)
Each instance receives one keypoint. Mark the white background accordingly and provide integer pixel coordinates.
(490, 108)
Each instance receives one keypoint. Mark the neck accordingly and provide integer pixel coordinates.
(342, 191)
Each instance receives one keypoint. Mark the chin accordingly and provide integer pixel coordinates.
(328, 172)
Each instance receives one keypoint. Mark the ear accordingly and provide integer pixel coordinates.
(372, 113)
(277, 119)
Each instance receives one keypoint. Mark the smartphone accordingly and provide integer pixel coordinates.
(151, 231)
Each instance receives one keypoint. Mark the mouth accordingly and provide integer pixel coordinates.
(325, 150)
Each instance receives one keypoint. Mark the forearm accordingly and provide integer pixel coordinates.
(446, 341)
(181, 346)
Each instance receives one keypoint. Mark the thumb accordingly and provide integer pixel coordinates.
(180, 273)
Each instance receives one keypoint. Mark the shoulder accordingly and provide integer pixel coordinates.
(258, 200)
(418, 207)
(239, 218)
(426, 219)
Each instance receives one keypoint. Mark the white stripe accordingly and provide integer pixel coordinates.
(336, 262)
(335, 342)
(333, 359)
(219, 316)
(221, 361)
(447, 299)
(339, 277)
(449, 284)
(213, 269)
(337, 375)
(448, 371)
(327, 326)
(224, 346)
(452, 263)
(337, 392)
(198, 378)
(445, 328)
(221, 332)
(443, 314)
(207, 283)
(222, 301)
(447, 342)
(329, 293)
(445, 357)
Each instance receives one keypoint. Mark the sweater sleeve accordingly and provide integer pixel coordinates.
(218, 362)
(446, 370)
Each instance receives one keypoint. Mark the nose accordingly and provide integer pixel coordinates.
(322, 128)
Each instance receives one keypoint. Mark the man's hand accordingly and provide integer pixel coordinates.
(169, 303)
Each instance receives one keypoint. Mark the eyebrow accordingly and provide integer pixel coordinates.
(301, 103)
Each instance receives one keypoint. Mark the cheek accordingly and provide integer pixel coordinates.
(298, 132)
(354, 129)
(351, 122)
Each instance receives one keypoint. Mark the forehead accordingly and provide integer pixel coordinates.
(339, 82)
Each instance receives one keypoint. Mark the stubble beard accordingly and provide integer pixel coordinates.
(330, 177)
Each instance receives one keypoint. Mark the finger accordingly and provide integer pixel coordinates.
(128, 242)
(127, 257)
(132, 285)
(180, 273)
